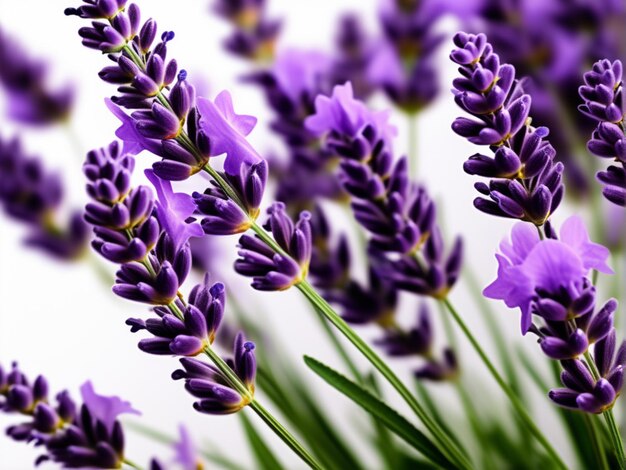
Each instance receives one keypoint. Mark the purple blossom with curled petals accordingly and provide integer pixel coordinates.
(227, 131)
(528, 264)
(103, 408)
(134, 141)
(174, 211)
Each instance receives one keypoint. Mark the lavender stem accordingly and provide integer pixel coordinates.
(519, 407)
(598, 448)
(131, 464)
(446, 445)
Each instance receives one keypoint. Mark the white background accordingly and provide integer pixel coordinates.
(62, 321)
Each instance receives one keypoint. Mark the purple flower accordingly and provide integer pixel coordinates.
(348, 116)
(134, 141)
(105, 409)
(227, 131)
(174, 211)
(186, 453)
(528, 264)
(310, 66)
(29, 99)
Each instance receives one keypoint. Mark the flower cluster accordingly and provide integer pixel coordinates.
(150, 238)
(398, 214)
(29, 99)
(255, 34)
(374, 302)
(275, 268)
(550, 43)
(548, 280)
(603, 102)
(30, 193)
(526, 182)
(207, 383)
(73, 436)
(403, 64)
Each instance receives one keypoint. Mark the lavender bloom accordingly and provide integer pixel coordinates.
(124, 227)
(89, 436)
(186, 453)
(548, 280)
(529, 266)
(206, 382)
(191, 334)
(603, 102)
(403, 64)
(272, 270)
(582, 391)
(29, 99)
(398, 214)
(526, 182)
(254, 33)
(31, 194)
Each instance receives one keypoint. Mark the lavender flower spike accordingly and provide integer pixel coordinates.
(272, 270)
(212, 388)
(604, 102)
(525, 181)
(89, 436)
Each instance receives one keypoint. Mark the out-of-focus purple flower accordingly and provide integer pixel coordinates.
(254, 33)
(311, 68)
(272, 270)
(348, 117)
(528, 265)
(206, 382)
(174, 211)
(29, 99)
(185, 450)
(31, 194)
(527, 182)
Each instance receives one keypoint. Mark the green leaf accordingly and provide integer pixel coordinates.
(266, 460)
(387, 415)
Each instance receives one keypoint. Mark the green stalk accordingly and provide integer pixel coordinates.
(616, 438)
(131, 464)
(519, 407)
(264, 414)
(446, 445)
(596, 442)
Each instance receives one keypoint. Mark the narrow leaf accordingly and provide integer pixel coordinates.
(387, 415)
(265, 458)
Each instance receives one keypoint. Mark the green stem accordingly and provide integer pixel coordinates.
(265, 415)
(131, 464)
(446, 445)
(519, 407)
(596, 443)
(616, 438)
(282, 432)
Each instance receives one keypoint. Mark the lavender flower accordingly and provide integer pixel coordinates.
(403, 63)
(583, 391)
(270, 269)
(31, 194)
(603, 102)
(89, 436)
(526, 182)
(254, 33)
(191, 334)
(547, 279)
(212, 388)
(398, 214)
(29, 99)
